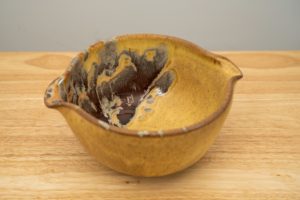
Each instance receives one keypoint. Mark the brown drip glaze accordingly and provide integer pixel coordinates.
(120, 93)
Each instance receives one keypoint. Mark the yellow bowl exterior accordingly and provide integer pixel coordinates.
(143, 156)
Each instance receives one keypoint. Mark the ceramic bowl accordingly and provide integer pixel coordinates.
(144, 104)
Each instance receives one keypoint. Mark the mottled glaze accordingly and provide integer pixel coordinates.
(145, 105)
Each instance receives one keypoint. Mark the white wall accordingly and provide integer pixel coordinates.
(63, 25)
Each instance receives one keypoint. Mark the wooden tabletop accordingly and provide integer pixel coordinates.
(256, 156)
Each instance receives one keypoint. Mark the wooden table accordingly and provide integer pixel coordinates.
(256, 156)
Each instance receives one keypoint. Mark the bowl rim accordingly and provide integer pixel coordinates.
(157, 133)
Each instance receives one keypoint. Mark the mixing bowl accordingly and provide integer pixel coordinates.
(145, 104)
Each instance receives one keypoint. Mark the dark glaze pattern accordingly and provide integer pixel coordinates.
(121, 92)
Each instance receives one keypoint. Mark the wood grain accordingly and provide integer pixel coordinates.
(256, 156)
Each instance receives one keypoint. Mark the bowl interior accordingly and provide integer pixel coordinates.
(146, 83)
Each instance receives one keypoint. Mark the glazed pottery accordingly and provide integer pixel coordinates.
(144, 104)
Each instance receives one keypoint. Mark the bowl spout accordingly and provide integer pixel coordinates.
(229, 68)
(52, 97)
